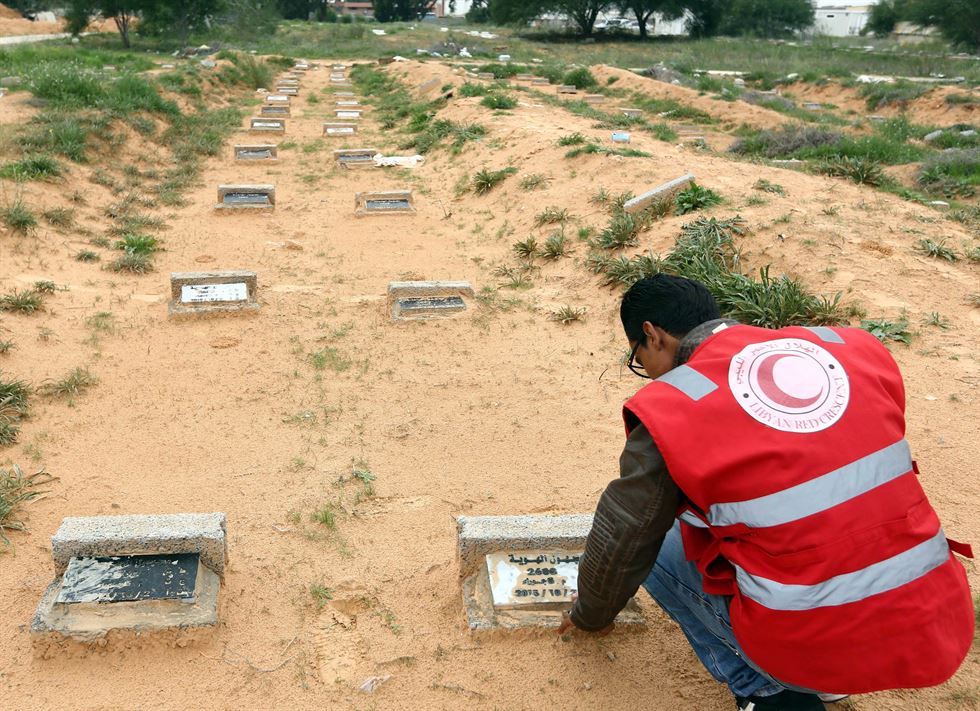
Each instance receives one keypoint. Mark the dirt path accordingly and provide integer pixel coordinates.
(498, 411)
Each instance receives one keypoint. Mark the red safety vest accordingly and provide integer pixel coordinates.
(805, 507)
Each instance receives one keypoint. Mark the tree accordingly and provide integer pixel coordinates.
(643, 11)
(767, 18)
(178, 17)
(582, 12)
(706, 16)
(406, 10)
(958, 20)
(883, 17)
(298, 9)
(122, 13)
(514, 12)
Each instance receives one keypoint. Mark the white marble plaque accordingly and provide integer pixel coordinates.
(349, 114)
(340, 130)
(200, 293)
(540, 579)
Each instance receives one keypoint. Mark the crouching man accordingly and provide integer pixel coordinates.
(768, 502)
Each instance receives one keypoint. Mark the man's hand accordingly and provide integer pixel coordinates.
(567, 624)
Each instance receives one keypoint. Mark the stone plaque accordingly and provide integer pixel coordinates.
(355, 157)
(348, 102)
(274, 125)
(343, 93)
(567, 89)
(201, 293)
(486, 75)
(274, 110)
(433, 305)
(539, 579)
(539, 81)
(245, 198)
(130, 578)
(339, 129)
(348, 114)
(632, 113)
(383, 205)
(277, 99)
(256, 152)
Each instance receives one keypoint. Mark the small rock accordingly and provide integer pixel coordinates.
(792, 77)
(503, 57)
(930, 398)
(939, 203)
(373, 682)
(293, 244)
(610, 656)
(10, 81)
(739, 81)
(588, 686)
(968, 133)
(930, 137)
(208, 63)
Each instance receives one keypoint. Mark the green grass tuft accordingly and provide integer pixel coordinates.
(486, 180)
(17, 489)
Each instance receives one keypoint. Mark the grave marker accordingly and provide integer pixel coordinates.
(521, 571)
(632, 113)
(246, 197)
(288, 82)
(539, 81)
(811, 106)
(348, 114)
(277, 99)
(212, 293)
(417, 300)
(524, 77)
(567, 89)
(263, 151)
(287, 90)
(339, 67)
(136, 573)
(594, 98)
(339, 129)
(641, 202)
(389, 202)
(274, 110)
(264, 125)
(347, 102)
(343, 93)
(355, 157)
(486, 75)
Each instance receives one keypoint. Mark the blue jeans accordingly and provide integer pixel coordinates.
(675, 584)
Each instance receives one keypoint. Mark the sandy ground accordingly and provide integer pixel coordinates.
(13, 23)
(496, 411)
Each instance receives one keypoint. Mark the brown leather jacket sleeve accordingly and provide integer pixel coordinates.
(634, 514)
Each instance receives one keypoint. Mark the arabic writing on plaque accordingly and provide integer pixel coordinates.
(535, 579)
(197, 293)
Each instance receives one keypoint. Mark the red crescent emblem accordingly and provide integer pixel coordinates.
(767, 384)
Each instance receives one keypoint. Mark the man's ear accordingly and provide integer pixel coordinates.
(654, 336)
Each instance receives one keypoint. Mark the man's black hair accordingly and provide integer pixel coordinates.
(676, 304)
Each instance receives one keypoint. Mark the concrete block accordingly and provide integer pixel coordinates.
(349, 114)
(524, 77)
(594, 98)
(355, 157)
(263, 151)
(288, 82)
(567, 89)
(267, 125)
(246, 196)
(287, 91)
(272, 110)
(641, 202)
(539, 81)
(486, 75)
(389, 202)
(278, 99)
(498, 554)
(339, 129)
(93, 536)
(631, 113)
(195, 294)
(414, 300)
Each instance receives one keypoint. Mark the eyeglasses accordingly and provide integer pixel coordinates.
(632, 365)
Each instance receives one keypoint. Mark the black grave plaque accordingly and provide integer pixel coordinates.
(246, 199)
(130, 578)
(430, 304)
(387, 205)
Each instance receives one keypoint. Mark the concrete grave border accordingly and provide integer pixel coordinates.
(361, 201)
(271, 147)
(339, 125)
(226, 189)
(178, 309)
(478, 536)
(274, 111)
(349, 154)
(400, 290)
(594, 98)
(354, 114)
(278, 127)
(567, 89)
(641, 202)
(277, 99)
(203, 534)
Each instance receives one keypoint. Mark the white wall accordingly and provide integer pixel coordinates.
(840, 22)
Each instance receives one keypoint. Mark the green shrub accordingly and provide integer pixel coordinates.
(785, 141)
(572, 139)
(860, 170)
(18, 217)
(882, 93)
(580, 78)
(34, 167)
(955, 172)
(694, 197)
(486, 180)
(471, 89)
(498, 101)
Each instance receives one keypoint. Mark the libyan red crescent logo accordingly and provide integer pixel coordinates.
(790, 385)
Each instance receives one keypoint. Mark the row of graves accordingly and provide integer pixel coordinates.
(137, 575)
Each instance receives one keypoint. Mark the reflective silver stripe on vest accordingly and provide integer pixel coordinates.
(877, 578)
(827, 335)
(818, 494)
(688, 517)
(688, 381)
